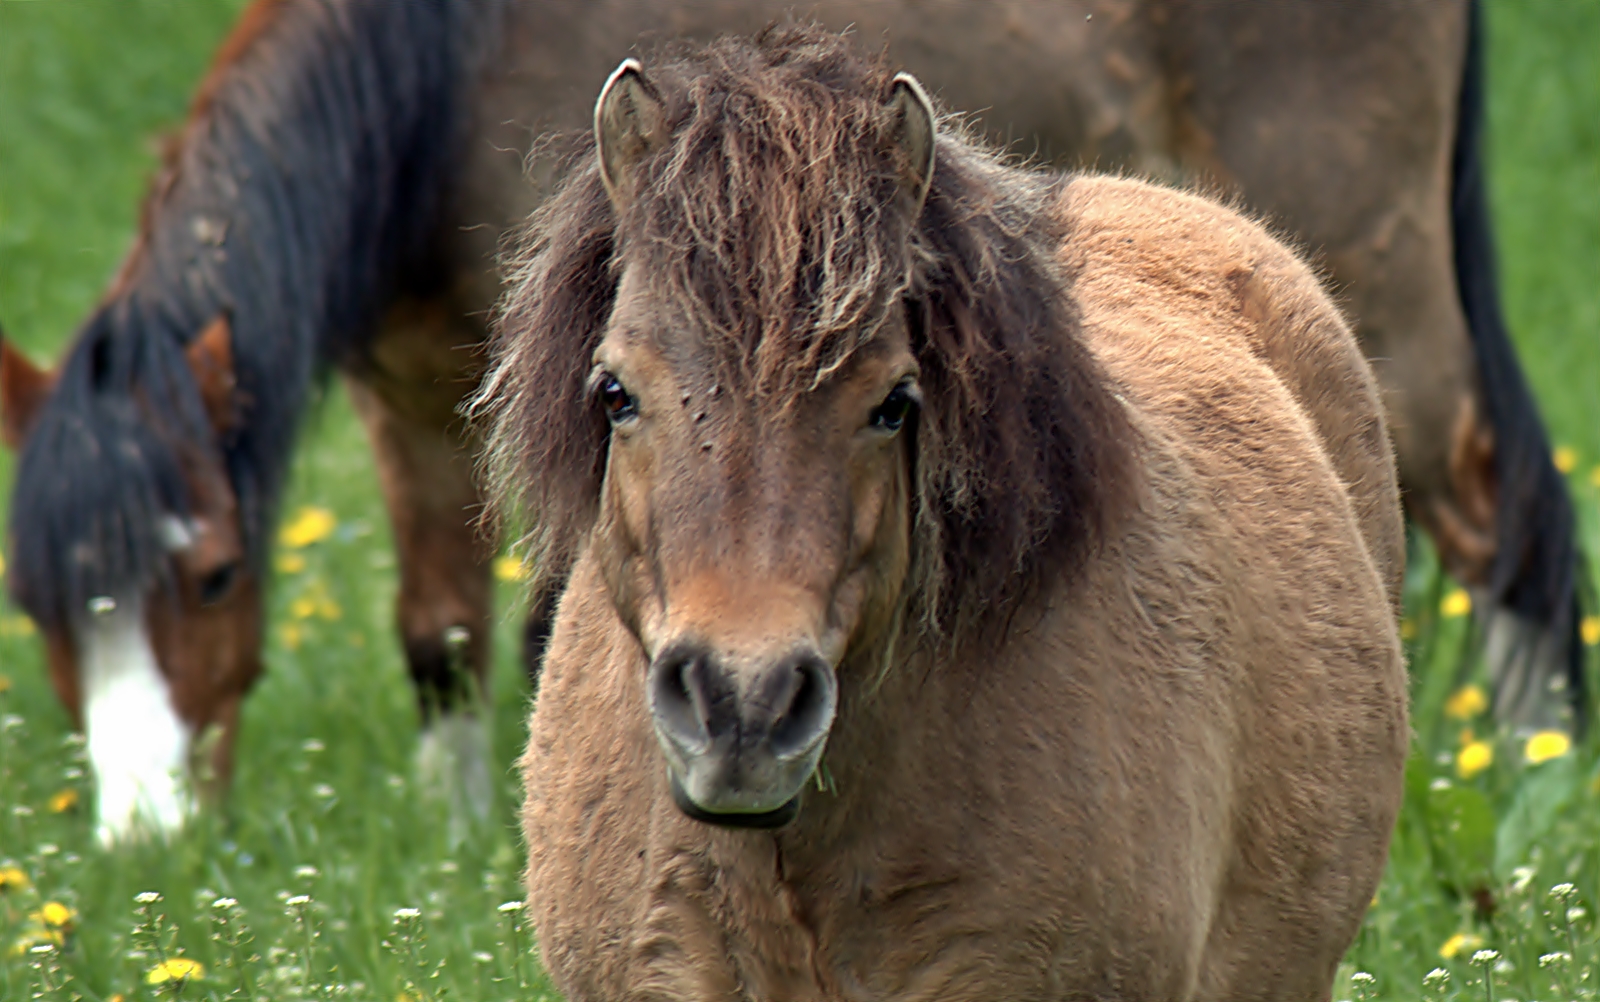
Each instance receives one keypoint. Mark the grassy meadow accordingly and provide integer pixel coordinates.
(331, 875)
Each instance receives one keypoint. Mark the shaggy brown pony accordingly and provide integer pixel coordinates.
(1059, 509)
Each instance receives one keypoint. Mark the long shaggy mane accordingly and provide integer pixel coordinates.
(773, 222)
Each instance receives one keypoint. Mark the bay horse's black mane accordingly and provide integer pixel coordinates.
(300, 198)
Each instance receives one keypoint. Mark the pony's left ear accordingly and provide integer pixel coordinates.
(630, 123)
(24, 387)
(911, 138)
(210, 357)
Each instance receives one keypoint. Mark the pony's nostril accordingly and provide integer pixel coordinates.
(678, 696)
(809, 713)
(696, 703)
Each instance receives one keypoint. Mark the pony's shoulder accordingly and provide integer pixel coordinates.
(1146, 257)
(1187, 299)
(1177, 234)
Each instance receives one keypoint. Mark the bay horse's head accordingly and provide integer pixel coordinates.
(795, 383)
(130, 553)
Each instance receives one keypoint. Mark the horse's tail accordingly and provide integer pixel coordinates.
(1537, 562)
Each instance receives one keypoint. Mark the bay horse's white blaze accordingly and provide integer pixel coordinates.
(138, 746)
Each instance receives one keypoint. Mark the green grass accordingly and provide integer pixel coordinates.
(325, 778)
(1544, 117)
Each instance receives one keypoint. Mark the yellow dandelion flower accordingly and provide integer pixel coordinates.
(5, 683)
(1461, 942)
(175, 969)
(1467, 702)
(1408, 629)
(1474, 758)
(1456, 604)
(291, 634)
(12, 879)
(328, 609)
(508, 569)
(16, 626)
(1546, 745)
(303, 607)
(289, 563)
(1589, 629)
(63, 801)
(1565, 457)
(55, 915)
(1594, 476)
(36, 937)
(310, 525)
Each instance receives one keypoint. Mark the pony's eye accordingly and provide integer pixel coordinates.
(616, 401)
(214, 587)
(896, 407)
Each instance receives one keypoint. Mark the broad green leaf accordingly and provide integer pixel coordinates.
(1544, 792)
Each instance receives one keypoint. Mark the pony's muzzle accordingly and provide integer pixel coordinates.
(740, 741)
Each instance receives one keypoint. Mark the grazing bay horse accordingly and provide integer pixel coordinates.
(303, 221)
(984, 581)
(336, 200)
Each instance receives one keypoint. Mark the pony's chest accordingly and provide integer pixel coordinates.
(906, 933)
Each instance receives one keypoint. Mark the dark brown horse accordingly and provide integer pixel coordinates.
(337, 197)
(984, 581)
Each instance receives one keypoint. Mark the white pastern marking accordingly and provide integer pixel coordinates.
(453, 763)
(137, 745)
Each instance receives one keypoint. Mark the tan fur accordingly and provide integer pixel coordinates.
(1169, 773)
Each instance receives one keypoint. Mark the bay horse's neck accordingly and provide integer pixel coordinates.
(303, 193)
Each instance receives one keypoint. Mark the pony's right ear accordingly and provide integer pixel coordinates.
(912, 132)
(630, 123)
(24, 387)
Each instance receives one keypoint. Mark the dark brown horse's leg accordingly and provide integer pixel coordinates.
(424, 462)
(444, 599)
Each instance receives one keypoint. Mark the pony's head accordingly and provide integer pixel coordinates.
(801, 374)
(130, 553)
